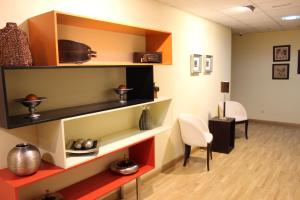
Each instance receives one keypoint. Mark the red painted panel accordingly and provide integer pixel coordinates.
(144, 152)
(100, 184)
(7, 192)
(14, 181)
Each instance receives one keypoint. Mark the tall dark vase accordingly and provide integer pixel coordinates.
(145, 120)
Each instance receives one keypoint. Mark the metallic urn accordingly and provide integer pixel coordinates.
(24, 159)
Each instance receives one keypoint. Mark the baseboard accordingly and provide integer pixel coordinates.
(275, 122)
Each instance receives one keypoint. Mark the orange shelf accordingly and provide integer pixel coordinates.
(46, 170)
(100, 184)
(43, 34)
(90, 188)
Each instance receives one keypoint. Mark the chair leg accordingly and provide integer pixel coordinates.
(210, 150)
(207, 158)
(246, 129)
(187, 151)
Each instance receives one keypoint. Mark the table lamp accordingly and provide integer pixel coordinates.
(224, 89)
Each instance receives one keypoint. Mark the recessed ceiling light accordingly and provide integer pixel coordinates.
(244, 8)
(290, 17)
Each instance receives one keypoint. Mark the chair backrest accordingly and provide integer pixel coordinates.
(193, 130)
(234, 110)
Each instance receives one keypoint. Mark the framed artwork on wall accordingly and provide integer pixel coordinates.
(298, 61)
(280, 71)
(196, 64)
(281, 53)
(208, 63)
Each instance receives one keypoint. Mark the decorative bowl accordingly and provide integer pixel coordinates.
(123, 94)
(124, 167)
(31, 105)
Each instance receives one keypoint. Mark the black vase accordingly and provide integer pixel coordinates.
(145, 120)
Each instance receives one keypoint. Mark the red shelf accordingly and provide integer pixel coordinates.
(46, 170)
(90, 188)
(100, 184)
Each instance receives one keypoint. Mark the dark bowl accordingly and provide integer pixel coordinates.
(122, 91)
(31, 103)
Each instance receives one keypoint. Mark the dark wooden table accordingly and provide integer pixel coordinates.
(223, 131)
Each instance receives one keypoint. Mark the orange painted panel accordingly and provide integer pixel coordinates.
(43, 36)
(43, 39)
(162, 43)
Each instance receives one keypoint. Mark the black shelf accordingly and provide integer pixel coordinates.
(73, 67)
(23, 120)
(138, 77)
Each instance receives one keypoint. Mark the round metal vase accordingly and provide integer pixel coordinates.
(24, 159)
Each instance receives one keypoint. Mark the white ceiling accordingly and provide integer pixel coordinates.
(266, 16)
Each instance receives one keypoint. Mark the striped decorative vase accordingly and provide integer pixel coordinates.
(145, 120)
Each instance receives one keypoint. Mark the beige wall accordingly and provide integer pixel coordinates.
(191, 34)
(252, 84)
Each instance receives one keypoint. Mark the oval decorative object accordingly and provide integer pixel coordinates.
(145, 120)
(24, 159)
(124, 167)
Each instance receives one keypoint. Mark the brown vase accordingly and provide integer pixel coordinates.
(14, 47)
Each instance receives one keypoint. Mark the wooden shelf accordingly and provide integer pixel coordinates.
(43, 32)
(23, 120)
(115, 142)
(100, 184)
(80, 66)
(46, 170)
(89, 188)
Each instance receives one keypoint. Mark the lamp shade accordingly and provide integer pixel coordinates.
(225, 87)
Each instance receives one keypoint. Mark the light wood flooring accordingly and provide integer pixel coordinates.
(266, 166)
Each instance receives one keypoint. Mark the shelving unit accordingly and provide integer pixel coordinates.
(68, 116)
(51, 25)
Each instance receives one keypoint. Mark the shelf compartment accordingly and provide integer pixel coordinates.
(120, 141)
(96, 186)
(43, 32)
(100, 184)
(46, 116)
(21, 81)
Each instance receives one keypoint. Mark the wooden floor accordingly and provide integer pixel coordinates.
(266, 166)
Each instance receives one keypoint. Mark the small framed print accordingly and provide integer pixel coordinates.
(196, 64)
(281, 53)
(208, 64)
(280, 71)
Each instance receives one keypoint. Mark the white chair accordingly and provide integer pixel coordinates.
(194, 133)
(235, 110)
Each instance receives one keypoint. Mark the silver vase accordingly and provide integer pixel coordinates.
(24, 159)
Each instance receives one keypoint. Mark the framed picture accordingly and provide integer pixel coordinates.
(298, 61)
(196, 64)
(208, 63)
(280, 71)
(281, 53)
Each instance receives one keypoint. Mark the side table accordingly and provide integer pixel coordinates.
(223, 131)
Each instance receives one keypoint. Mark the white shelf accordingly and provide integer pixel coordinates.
(116, 141)
(157, 100)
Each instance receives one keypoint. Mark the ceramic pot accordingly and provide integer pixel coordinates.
(24, 159)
